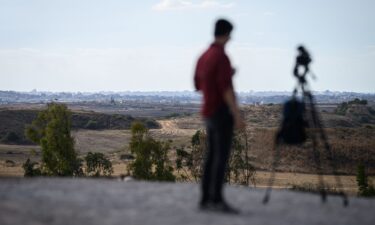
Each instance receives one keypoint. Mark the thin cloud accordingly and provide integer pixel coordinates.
(168, 5)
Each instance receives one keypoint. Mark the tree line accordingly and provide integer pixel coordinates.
(152, 158)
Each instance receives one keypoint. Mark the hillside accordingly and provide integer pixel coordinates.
(351, 139)
(14, 121)
(350, 136)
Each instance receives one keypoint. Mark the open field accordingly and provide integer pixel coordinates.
(130, 108)
(352, 142)
(114, 143)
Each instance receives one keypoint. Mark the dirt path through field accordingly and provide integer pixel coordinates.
(170, 127)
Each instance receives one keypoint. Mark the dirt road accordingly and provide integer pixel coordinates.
(170, 127)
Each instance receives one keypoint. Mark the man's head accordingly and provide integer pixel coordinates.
(223, 28)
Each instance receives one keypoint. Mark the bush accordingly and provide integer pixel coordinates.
(240, 170)
(357, 101)
(172, 115)
(152, 124)
(98, 165)
(342, 108)
(126, 157)
(29, 170)
(151, 159)
(364, 189)
(10, 163)
(11, 137)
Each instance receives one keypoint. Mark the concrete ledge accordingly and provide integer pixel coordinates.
(98, 201)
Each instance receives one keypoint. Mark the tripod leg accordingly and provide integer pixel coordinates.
(276, 159)
(319, 167)
(323, 136)
(314, 125)
(331, 160)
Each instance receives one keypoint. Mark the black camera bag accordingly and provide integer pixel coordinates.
(293, 126)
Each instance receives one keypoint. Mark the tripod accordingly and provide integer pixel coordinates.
(316, 131)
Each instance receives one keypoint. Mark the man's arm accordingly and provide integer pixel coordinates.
(196, 75)
(226, 88)
(230, 100)
(196, 83)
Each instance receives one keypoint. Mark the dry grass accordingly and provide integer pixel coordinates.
(350, 145)
(290, 180)
(104, 141)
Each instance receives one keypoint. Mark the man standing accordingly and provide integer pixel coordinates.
(213, 76)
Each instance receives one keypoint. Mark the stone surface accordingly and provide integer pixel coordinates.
(101, 201)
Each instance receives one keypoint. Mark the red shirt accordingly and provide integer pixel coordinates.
(213, 76)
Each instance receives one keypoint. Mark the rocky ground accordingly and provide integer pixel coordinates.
(101, 201)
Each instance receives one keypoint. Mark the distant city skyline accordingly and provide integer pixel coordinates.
(153, 45)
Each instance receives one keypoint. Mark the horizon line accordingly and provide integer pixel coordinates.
(171, 91)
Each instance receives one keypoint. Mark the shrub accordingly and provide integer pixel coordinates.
(98, 165)
(11, 137)
(29, 170)
(240, 170)
(152, 124)
(173, 115)
(357, 101)
(198, 148)
(151, 159)
(126, 157)
(342, 108)
(10, 163)
(364, 189)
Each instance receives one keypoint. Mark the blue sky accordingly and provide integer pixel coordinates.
(152, 45)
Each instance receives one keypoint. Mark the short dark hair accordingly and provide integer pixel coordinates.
(223, 27)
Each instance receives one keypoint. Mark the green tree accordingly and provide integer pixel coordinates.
(198, 150)
(240, 170)
(98, 165)
(151, 157)
(191, 163)
(51, 130)
(364, 189)
(183, 163)
(163, 169)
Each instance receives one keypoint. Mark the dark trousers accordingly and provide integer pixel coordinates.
(219, 130)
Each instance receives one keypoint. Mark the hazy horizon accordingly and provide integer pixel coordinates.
(153, 45)
(175, 91)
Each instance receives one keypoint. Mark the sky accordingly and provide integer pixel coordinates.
(153, 45)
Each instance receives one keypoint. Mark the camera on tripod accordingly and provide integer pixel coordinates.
(303, 60)
(298, 115)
